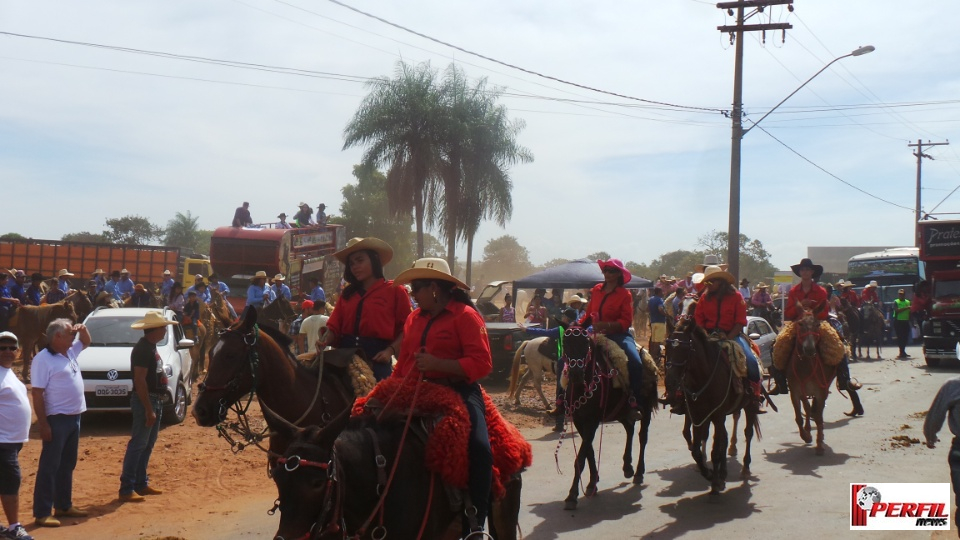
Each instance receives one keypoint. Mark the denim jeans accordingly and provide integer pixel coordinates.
(634, 364)
(58, 458)
(753, 368)
(134, 476)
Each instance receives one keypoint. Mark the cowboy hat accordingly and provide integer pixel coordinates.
(760, 285)
(153, 319)
(98, 271)
(709, 260)
(663, 277)
(36, 276)
(378, 246)
(576, 298)
(139, 287)
(618, 264)
(871, 285)
(281, 215)
(258, 275)
(807, 263)
(429, 268)
(302, 204)
(321, 205)
(744, 281)
(711, 273)
(124, 271)
(278, 277)
(198, 277)
(166, 272)
(64, 273)
(9, 336)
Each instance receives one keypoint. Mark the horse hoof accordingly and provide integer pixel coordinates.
(570, 505)
(590, 491)
(806, 438)
(820, 450)
(628, 471)
(745, 473)
(732, 452)
(638, 479)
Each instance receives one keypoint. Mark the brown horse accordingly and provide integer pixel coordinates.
(808, 376)
(30, 326)
(591, 398)
(711, 392)
(252, 360)
(850, 317)
(872, 327)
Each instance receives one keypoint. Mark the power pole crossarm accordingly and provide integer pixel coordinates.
(920, 155)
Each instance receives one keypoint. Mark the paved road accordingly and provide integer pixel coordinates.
(792, 493)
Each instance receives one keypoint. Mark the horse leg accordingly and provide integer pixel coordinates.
(505, 513)
(628, 470)
(732, 452)
(818, 405)
(520, 385)
(719, 457)
(538, 386)
(594, 472)
(700, 435)
(686, 431)
(804, 431)
(807, 412)
(748, 429)
(587, 433)
(643, 437)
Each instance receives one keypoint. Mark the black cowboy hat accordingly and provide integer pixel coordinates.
(817, 269)
(36, 276)
(569, 312)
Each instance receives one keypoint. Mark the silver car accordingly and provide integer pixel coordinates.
(105, 364)
(759, 330)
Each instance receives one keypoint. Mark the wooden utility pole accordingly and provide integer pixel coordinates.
(736, 116)
(920, 155)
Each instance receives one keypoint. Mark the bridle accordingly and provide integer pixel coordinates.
(691, 396)
(332, 496)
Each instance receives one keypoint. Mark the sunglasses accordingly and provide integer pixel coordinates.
(8, 347)
(611, 271)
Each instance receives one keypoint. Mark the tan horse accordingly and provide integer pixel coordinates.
(809, 376)
(30, 325)
(537, 365)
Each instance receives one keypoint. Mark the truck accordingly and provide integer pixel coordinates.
(940, 256)
(145, 263)
(505, 338)
(238, 253)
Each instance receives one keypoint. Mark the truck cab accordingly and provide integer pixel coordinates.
(941, 330)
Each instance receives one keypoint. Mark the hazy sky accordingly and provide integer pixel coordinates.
(90, 133)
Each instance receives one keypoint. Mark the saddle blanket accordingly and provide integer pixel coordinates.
(734, 355)
(446, 451)
(832, 347)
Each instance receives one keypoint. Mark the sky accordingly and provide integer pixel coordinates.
(109, 133)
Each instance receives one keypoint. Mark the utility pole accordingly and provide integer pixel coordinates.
(736, 116)
(920, 155)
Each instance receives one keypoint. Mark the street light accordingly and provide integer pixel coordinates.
(733, 228)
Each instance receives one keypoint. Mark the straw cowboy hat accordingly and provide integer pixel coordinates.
(709, 260)
(64, 273)
(153, 319)
(278, 277)
(302, 204)
(576, 298)
(258, 275)
(843, 284)
(378, 246)
(807, 263)
(124, 271)
(871, 285)
(618, 264)
(429, 268)
(100, 272)
(712, 273)
(760, 285)
(166, 272)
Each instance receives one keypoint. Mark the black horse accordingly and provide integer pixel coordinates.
(360, 478)
(591, 399)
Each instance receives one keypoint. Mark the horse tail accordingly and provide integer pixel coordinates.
(756, 427)
(515, 370)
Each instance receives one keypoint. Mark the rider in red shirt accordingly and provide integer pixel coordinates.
(869, 293)
(850, 295)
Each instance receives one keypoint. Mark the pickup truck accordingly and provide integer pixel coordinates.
(505, 337)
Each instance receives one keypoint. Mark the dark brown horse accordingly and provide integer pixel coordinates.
(808, 376)
(850, 316)
(250, 360)
(591, 398)
(711, 392)
(871, 327)
(330, 486)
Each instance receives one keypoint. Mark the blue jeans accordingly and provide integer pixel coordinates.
(134, 476)
(753, 367)
(478, 449)
(634, 364)
(58, 458)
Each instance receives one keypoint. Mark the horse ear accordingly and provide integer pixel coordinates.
(249, 318)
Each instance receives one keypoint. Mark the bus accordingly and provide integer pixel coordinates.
(893, 269)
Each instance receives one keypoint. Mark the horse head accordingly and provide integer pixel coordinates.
(808, 335)
(307, 477)
(234, 367)
(687, 342)
(578, 350)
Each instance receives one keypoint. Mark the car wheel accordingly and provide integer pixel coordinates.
(176, 412)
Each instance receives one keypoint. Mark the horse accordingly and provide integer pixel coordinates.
(29, 324)
(278, 314)
(218, 305)
(591, 398)
(851, 319)
(537, 364)
(336, 482)
(872, 327)
(808, 376)
(251, 360)
(82, 306)
(711, 392)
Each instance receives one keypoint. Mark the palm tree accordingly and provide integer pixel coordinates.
(182, 231)
(397, 122)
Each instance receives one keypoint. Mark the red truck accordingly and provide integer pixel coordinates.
(940, 256)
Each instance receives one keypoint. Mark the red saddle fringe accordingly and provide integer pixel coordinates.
(446, 452)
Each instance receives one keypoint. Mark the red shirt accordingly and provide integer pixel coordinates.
(920, 302)
(870, 295)
(618, 307)
(732, 310)
(457, 334)
(815, 299)
(851, 297)
(385, 308)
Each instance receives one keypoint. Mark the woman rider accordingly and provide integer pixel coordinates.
(721, 309)
(610, 311)
(445, 339)
(371, 310)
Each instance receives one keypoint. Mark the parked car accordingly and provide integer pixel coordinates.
(504, 338)
(759, 330)
(105, 364)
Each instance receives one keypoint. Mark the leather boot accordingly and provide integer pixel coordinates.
(780, 379)
(857, 406)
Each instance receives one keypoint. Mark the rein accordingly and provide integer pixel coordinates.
(817, 374)
(691, 396)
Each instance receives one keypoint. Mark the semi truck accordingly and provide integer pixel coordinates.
(940, 257)
(145, 263)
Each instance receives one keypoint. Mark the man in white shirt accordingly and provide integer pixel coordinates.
(310, 327)
(58, 401)
(14, 431)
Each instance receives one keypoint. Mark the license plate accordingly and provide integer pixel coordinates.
(112, 390)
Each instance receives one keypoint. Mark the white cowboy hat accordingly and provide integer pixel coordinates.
(99, 271)
(258, 275)
(278, 277)
(381, 248)
(166, 272)
(429, 268)
(871, 285)
(64, 272)
(9, 336)
(760, 285)
(576, 298)
(124, 271)
(709, 260)
(153, 319)
(711, 273)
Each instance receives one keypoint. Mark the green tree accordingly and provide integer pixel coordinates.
(85, 237)
(183, 231)
(599, 255)
(754, 259)
(397, 123)
(674, 263)
(132, 230)
(365, 212)
(202, 245)
(553, 262)
(12, 236)
(505, 259)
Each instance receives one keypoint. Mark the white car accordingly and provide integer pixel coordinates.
(759, 330)
(105, 364)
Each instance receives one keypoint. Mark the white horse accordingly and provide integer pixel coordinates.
(537, 364)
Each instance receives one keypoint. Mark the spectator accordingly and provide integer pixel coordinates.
(745, 288)
(536, 313)
(280, 290)
(241, 217)
(921, 302)
(508, 313)
(578, 303)
(901, 322)
(304, 216)
(258, 293)
(311, 325)
(8, 304)
(567, 317)
(58, 402)
(14, 432)
(146, 406)
(306, 307)
(282, 224)
(316, 292)
(167, 284)
(35, 291)
(658, 322)
(321, 214)
(176, 300)
(126, 285)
